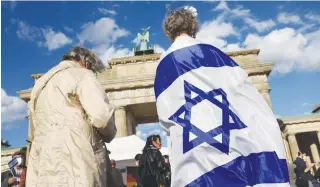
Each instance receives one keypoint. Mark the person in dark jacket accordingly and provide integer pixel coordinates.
(152, 168)
(302, 171)
(136, 175)
(168, 171)
(317, 173)
(117, 180)
(18, 179)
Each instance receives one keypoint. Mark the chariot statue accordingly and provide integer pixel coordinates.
(143, 39)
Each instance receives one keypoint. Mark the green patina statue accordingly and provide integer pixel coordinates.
(143, 40)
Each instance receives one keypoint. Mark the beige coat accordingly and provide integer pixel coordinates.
(70, 117)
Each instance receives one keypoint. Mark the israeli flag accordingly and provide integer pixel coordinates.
(222, 131)
(13, 163)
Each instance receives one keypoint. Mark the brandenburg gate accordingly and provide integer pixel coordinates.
(128, 82)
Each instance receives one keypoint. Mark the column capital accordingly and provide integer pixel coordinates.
(291, 134)
(265, 90)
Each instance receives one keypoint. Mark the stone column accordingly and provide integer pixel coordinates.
(262, 84)
(318, 133)
(121, 121)
(28, 141)
(131, 123)
(287, 149)
(130, 128)
(28, 152)
(134, 126)
(293, 145)
(314, 152)
(266, 96)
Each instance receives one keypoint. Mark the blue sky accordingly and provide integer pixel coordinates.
(35, 35)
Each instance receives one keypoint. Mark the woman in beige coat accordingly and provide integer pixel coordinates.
(70, 119)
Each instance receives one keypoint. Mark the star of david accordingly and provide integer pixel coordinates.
(201, 136)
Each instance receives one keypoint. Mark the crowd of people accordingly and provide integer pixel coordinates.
(305, 175)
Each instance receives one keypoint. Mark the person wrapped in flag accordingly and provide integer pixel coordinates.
(221, 131)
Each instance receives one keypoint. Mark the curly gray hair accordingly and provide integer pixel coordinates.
(85, 56)
(179, 22)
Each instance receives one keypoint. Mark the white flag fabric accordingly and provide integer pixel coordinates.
(222, 131)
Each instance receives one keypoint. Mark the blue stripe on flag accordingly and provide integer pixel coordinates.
(257, 168)
(186, 59)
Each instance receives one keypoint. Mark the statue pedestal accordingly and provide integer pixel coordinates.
(144, 52)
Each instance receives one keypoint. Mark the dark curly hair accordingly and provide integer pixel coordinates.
(178, 22)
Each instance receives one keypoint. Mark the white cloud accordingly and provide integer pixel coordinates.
(26, 31)
(148, 129)
(68, 29)
(141, 135)
(245, 14)
(43, 37)
(213, 32)
(222, 6)
(145, 135)
(13, 4)
(289, 18)
(261, 26)
(156, 132)
(107, 11)
(305, 27)
(103, 31)
(232, 47)
(55, 40)
(159, 49)
(115, 5)
(289, 49)
(239, 11)
(12, 108)
(102, 35)
(217, 30)
(106, 52)
(136, 41)
(313, 17)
